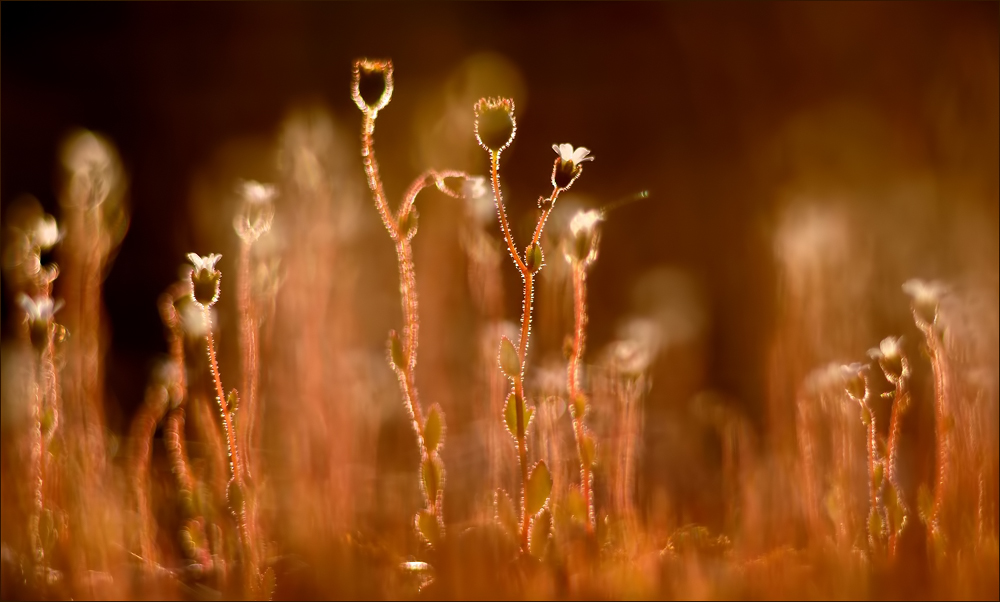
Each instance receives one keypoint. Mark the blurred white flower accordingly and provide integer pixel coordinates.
(926, 298)
(45, 234)
(570, 155)
(39, 309)
(204, 263)
(254, 192)
(584, 221)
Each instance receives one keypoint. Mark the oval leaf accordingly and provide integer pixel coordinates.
(434, 429)
(396, 356)
(505, 513)
(427, 527)
(576, 507)
(509, 362)
(538, 488)
(578, 408)
(533, 258)
(432, 477)
(232, 401)
(539, 533)
(510, 416)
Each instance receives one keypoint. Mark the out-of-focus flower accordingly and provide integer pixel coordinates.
(371, 86)
(584, 236)
(889, 355)
(45, 234)
(206, 280)
(479, 200)
(854, 381)
(39, 312)
(495, 125)
(255, 216)
(926, 298)
(568, 166)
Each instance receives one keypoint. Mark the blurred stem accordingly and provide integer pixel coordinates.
(941, 426)
(573, 381)
(249, 348)
(900, 403)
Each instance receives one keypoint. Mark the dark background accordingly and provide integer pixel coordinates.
(688, 100)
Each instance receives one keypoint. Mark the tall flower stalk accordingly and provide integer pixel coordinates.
(581, 252)
(371, 90)
(495, 129)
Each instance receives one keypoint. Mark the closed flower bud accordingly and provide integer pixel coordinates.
(371, 87)
(495, 124)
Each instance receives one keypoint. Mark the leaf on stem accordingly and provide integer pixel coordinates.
(427, 527)
(505, 513)
(539, 533)
(510, 415)
(432, 477)
(434, 429)
(537, 489)
(510, 363)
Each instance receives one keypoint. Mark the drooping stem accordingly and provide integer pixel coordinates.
(573, 382)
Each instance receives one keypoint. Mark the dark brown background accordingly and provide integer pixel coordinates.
(696, 102)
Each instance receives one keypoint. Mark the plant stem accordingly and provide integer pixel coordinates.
(526, 306)
(573, 381)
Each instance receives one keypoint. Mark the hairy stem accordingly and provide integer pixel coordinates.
(573, 381)
(249, 351)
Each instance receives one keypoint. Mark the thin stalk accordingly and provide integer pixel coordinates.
(573, 382)
(406, 373)
(526, 307)
(941, 428)
(249, 348)
(900, 404)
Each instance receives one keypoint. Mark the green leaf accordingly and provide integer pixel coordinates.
(268, 583)
(534, 259)
(576, 506)
(539, 533)
(538, 488)
(510, 363)
(505, 513)
(236, 496)
(578, 407)
(232, 401)
(396, 356)
(434, 428)
(432, 476)
(510, 415)
(428, 527)
(588, 449)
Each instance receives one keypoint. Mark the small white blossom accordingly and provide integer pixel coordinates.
(39, 309)
(45, 234)
(889, 348)
(206, 263)
(256, 193)
(584, 221)
(925, 291)
(570, 155)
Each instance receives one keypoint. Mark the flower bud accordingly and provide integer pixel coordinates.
(495, 124)
(206, 280)
(371, 86)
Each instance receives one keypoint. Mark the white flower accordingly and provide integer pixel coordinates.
(256, 193)
(889, 348)
(45, 234)
(924, 291)
(584, 221)
(567, 167)
(39, 309)
(204, 264)
(574, 157)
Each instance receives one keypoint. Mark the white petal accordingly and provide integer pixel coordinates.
(581, 155)
(566, 152)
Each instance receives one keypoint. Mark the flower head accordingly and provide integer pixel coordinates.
(889, 355)
(255, 216)
(206, 280)
(584, 236)
(39, 312)
(926, 298)
(45, 233)
(371, 85)
(495, 124)
(855, 382)
(567, 167)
